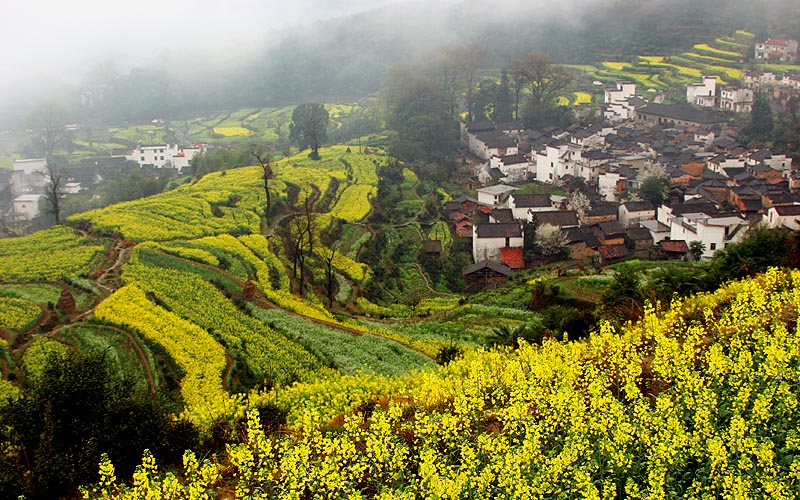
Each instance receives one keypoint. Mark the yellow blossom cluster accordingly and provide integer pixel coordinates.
(700, 402)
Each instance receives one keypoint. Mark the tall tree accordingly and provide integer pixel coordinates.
(55, 178)
(761, 120)
(654, 190)
(545, 78)
(48, 122)
(416, 112)
(309, 127)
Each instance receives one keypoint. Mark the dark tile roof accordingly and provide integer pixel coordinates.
(496, 139)
(579, 234)
(481, 126)
(732, 172)
(613, 251)
(639, 206)
(784, 198)
(532, 200)
(488, 264)
(502, 214)
(639, 234)
(694, 208)
(788, 210)
(603, 209)
(558, 218)
(513, 159)
(683, 112)
(500, 230)
(432, 246)
(611, 228)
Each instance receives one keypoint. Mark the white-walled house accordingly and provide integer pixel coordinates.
(162, 155)
(758, 79)
(488, 239)
(704, 93)
(484, 145)
(495, 196)
(523, 206)
(715, 231)
(736, 99)
(632, 212)
(765, 156)
(28, 176)
(787, 216)
(26, 206)
(777, 50)
(556, 160)
(610, 184)
(616, 105)
(721, 161)
(514, 167)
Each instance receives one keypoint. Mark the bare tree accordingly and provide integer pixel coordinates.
(301, 234)
(48, 122)
(327, 255)
(54, 177)
(265, 160)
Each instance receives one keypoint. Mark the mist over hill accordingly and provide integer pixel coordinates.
(347, 55)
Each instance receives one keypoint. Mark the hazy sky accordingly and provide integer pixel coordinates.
(65, 37)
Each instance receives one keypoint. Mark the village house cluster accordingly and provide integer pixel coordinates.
(715, 188)
(22, 188)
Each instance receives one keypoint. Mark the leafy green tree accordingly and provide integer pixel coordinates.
(544, 80)
(654, 190)
(761, 120)
(493, 100)
(696, 248)
(78, 409)
(761, 249)
(416, 113)
(623, 300)
(309, 127)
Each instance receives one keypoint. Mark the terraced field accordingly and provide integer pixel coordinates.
(721, 57)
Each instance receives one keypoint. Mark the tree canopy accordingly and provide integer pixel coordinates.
(309, 127)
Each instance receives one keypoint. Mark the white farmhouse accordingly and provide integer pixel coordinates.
(617, 106)
(777, 50)
(787, 216)
(28, 176)
(632, 212)
(714, 231)
(163, 155)
(556, 160)
(523, 206)
(495, 196)
(736, 99)
(489, 239)
(26, 206)
(515, 168)
(703, 94)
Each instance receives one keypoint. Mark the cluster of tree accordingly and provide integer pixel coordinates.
(222, 158)
(625, 297)
(77, 409)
